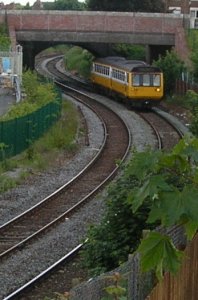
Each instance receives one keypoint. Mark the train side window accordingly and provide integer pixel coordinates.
(156, 80)
(101, 69)
(136, 80)
(146, 80)
(117, 74)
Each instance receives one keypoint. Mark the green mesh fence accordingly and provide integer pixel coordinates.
(18, 134)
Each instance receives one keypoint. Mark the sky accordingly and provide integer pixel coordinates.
(24, 2)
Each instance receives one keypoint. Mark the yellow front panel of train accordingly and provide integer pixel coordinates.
(146, 86)
(145, 92)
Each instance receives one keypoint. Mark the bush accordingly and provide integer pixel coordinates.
(130, 51)
(192, 99)
(79, 60)
(119, 233)
(172, 67)
(37, 95)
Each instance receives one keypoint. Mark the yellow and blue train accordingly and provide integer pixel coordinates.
(139, 83)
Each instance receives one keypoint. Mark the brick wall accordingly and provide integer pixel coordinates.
(94, 21)
(99, 22)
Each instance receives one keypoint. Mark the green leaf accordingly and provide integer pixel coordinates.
(150, 188)
(158, 253)
(176, 162)
(191, 229)
(195, 177)
(166, 209)
(189, 199)
(115, 290)
(176, 207)
(143, 163)
(181, 146)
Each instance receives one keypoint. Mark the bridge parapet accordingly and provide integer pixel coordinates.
(94, 21)
(94, 26)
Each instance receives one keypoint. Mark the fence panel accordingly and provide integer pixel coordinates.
(183, 286)
(181, 87)
(17, 134)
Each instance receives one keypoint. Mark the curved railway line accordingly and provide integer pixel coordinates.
(63, 203)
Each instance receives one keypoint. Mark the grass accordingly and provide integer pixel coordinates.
(56, 146)
(179, 100)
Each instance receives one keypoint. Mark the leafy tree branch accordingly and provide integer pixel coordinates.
(170, 185)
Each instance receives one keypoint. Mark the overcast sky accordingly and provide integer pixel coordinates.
(24, 2)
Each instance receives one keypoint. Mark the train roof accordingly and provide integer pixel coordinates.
(121, 62)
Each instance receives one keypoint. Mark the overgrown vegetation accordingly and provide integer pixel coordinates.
(157, 188)
(169, 182)
(172, 67)
(5, 42)
(79, 61)
(54, 147)
(130, 51)
(192, 100)
(37, 93)
(119, 233)
(59, 139)
(117, 290)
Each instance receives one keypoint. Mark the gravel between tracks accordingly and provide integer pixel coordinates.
(54, 245)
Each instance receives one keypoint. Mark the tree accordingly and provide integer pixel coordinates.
(149, 6)
(63, 5)
(157, 188)
(170, 183)
(126, 5)
(26, 7)
(79, 60)
(130, 51)
(172, 67)
(105, 5)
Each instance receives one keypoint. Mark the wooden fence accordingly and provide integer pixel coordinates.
(181, 87)
(184, 286)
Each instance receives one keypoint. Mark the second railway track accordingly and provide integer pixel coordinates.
(95, 172)
(57, 207)
(116, 144)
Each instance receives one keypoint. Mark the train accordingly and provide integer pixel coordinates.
(135, 81)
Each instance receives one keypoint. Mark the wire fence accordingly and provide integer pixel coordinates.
(18, 134)
(139, 285)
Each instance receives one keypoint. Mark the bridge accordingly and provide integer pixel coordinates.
(36, 30)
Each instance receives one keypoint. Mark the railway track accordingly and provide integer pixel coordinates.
(58, 205)
(168, 134)
(168, 131)
(63, 203)
(68, 190)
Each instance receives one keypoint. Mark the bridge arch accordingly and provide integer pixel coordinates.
(33, 27)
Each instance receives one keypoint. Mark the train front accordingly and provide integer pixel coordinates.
(146, 85)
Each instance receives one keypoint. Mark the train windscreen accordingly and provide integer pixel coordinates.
(146, 80)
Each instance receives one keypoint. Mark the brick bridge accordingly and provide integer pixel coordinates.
(39, 29)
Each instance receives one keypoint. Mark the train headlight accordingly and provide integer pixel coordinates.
(158, 90)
